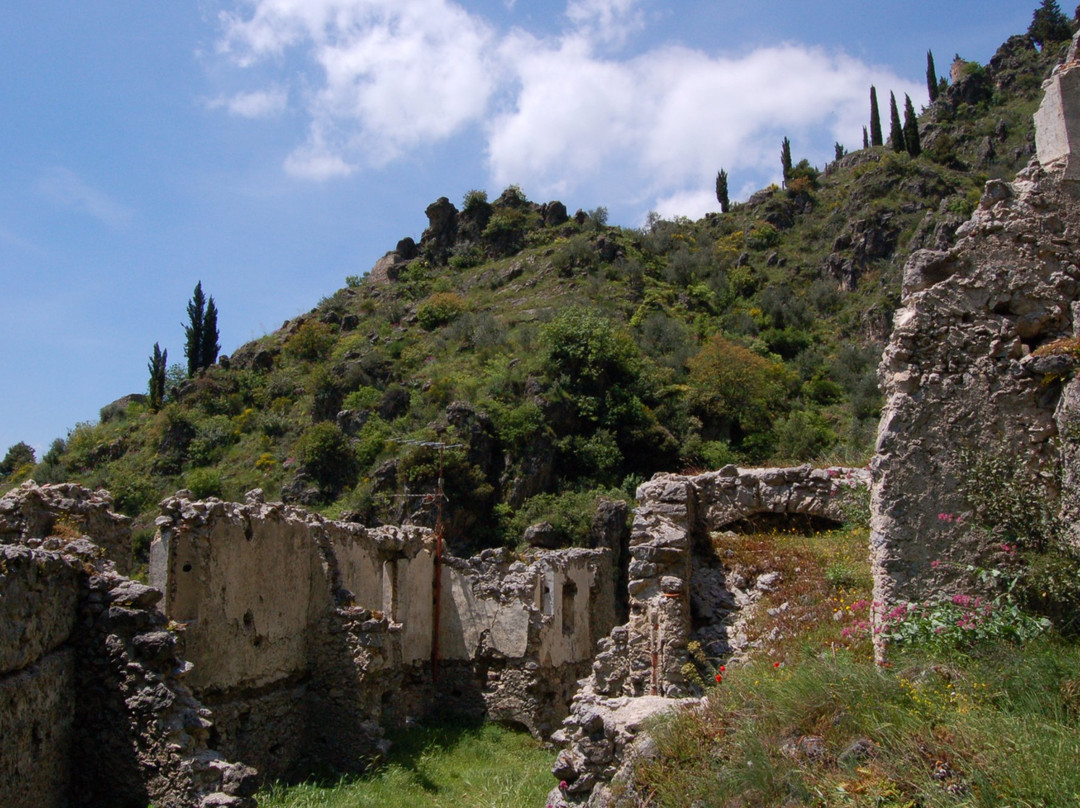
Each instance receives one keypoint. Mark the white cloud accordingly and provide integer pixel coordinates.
(605, 21)
(389, 75)
(693, 204)
(660, 125)
(66, 189)
(256, 104)
(558, 113)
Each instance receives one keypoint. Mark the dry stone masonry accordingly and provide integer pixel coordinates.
(93, 707)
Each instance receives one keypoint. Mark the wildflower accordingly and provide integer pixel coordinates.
(723, 669)
(935, 564)
(719, 678)
(776, 664)
(563, 785)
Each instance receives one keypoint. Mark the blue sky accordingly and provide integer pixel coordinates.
(270, 148)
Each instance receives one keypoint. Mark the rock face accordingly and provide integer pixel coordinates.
(93, 705)
(31, 513)
(978, 366)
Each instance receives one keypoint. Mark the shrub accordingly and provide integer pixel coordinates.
(762, 237)
(440, 309)
(569, 513)
(204, 483)
(735, 391)
(803, 435)
(132, 494)
(312, 341)
(326, 455)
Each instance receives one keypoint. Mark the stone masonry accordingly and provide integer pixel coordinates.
(309, 637)
(93, 705)
(981, 364)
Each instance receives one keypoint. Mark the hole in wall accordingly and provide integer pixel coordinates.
(186, 568)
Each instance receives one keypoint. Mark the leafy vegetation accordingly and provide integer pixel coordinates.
(974, 707)
(441, 767)
(564, 356)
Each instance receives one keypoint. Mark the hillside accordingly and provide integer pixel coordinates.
(562, 358)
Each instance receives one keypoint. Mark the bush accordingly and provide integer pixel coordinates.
(132, 494)
(735, 391)
(312, 341)
(802, 436)
(440, 309)
(326, 455)
(570, 514)
(204, 483)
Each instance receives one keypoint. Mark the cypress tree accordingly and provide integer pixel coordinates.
(911, 128)
(208, 352)
(193, 331)
(865, 139)
(156, 366)
(896, 131)
(785, 159)
(201, 333)
(722, 191)
(838, 150)
(931, 77)
(875, 119)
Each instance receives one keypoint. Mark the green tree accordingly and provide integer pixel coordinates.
(201, 334)
(785, 158)
(865, 139)
(722, 191)
(911, 128)
(932, 86)
(838, 150)
(210, 346)
(1048, 25)
(735, 392)
(156, 366)
(875, 119)
(17, 457)
(896, 130)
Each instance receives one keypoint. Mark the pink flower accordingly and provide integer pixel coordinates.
(935, 564)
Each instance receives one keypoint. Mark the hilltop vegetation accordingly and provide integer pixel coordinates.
(563, 359)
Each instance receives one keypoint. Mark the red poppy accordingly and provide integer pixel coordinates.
(776, 664)
(719, 678)
(722, 669)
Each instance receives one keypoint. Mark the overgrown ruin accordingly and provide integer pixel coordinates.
(285, 640)
(980, 367)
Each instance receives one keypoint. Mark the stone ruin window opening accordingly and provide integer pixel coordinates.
(569, 594)
(799, 524)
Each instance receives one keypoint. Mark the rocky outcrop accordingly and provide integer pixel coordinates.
(32, 513)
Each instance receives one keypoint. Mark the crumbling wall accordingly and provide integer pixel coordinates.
(638, 670)
(93, 709)
(38, 599)
(31, 513)
(308, 636)
(972, 372)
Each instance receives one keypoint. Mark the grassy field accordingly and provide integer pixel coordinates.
(437, 767)
(977, 720)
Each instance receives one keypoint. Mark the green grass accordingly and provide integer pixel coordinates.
(995, 726)
(480, 767)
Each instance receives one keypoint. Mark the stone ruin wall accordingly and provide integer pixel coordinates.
(309, 637)
(306, 638)
(979, 365)
(637, 672)
(93, 707)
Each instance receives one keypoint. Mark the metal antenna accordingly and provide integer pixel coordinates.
(436, 593)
